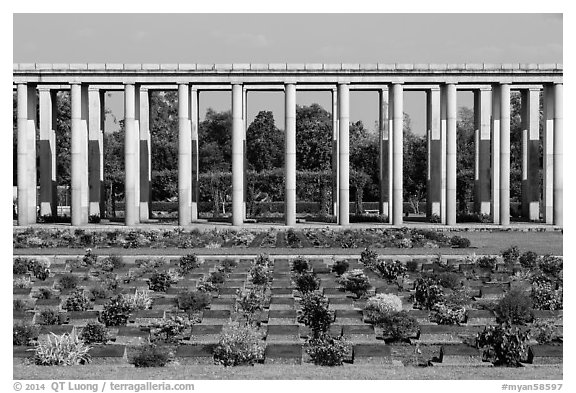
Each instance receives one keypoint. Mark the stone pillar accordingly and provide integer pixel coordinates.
(434, 188)
(244, 150)
(79, 154)
(335, 169)
(145, 156)
(495, 153)
(384, 139)
(558, 155)
(548, 154)
(443, 145)
(344, 153)
(451, 205)
(397, 153)
(531, 154)
(95, 150)
(505, 154)
(184, 156)
(237, 156)
(26, 118)
(131, 186)
(194, 157)
(482, 112)
(290, 155)
(47, 152)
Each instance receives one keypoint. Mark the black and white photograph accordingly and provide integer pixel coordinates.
(288, 196)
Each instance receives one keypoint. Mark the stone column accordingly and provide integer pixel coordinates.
(384, 138)
(451, 206)
(531, 154)
(482, 112)
(194, 157)
(290, 154)
(335, 169)
(184, 156)
(47, 152)
(397, 152)
(443, 147)
(344, 153)
(26, 118)
(495, 153)
(95, 150)
(237, 156)
(558, 154)
(131, 211)
(434, 188)
(548, 154)
(79, 154)
(145, 156)
(505, 154)
(244, 150)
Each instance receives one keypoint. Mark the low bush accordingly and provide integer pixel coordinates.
(150, 355)
(379, 306)
(550, 265)
(355, 281)
(398, 326)
(315, 313)
(487, 262)
(77, 301)
(449, 280)
(24, 333)
(459, 242)
(327, 350)
(306, 282)
(528, 260)
(368, 257)
(217, 277)
(228, 265)
(260, 274)
(44, 293)
(249, 302)
(447, 315)
(428, 293)
(300, 265)
(94, 333)
(503, 345)
(49, 317)
(515, 308)
(340, 267)
(64, 350)
(22, 282)
(89, 258)
(262, 260)
(68, 282)
(545, 332)
(140, 300)
(116, 311)
(239, 345)
(511, 255)
(169, 329)
(390, 270)
(545, 297)
(187, 263)
(160, 281)
(412, 266)
(110, 263)
(193, 301)
(20, 266)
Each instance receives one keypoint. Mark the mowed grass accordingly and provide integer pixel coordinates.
(282, 372)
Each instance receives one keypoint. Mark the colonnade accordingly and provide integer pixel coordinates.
(492, 142)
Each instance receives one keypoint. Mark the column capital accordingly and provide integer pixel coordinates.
(75, 82)
(485, 88)
(94, 88)
(44, 88)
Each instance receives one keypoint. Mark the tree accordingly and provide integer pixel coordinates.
(215, 139)
(414, 165)
(265, 143)
(465, 157)
(313, 138)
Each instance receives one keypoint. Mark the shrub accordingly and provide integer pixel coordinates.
(150, 355)
(250, 301)
(368, 257)
(168, 329)
(511, 255)
(24, 333)
(110, 263)
(550, 265)
(116, 311)
(20, 266)
(260, 274)
(44, 293)
(187, 263)
(94, 332)
(193, 301)
(49, 317)
(515, 308)
(77, 301)
(545, 332)
(300, 265)
(68, 282)
(89, 259)
(22, 282)
(206, 286)
(504, 345)
(160, 281)
(217, 277)
(528, 260)
(262, 260)
(545, 297)
(428, 293)
(64, 350)
(315, 313)
(140, 300)
(306, 282)
(340, 267)
(356, 282)
(390, 270)
(239, 345)
(486, 262)
(40, 271)
(228, 265)
(398, 326)
(327, 350)
(379, 306)
(459, 242)
(434, 219)
(447, 315)
(449, 280)
(412, 266)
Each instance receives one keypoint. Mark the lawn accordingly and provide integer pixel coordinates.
(279, 372)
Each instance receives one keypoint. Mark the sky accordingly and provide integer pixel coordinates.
(289, 38)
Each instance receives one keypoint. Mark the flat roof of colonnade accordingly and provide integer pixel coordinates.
(317, 73)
